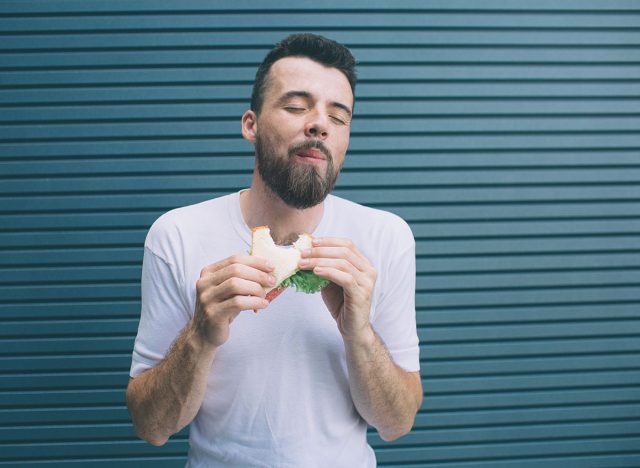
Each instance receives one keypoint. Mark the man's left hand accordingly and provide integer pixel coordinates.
(348, 296)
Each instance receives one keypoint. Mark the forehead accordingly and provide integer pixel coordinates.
(304, 74)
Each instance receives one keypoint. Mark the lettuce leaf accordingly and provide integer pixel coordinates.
(305, 281)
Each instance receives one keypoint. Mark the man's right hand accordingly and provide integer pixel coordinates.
(224, 290)
(166, 398)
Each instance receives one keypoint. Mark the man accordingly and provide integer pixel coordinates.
(295, 384)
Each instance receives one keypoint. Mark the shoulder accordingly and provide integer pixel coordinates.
(175, 226)
(371, 222)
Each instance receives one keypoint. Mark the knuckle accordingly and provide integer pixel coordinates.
(235, 269)
(235, 259)
(236, 302)
(370, 284)
(201, 307)
(210, 310)
(234, 283)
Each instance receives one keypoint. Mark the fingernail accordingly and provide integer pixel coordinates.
(272, 279)
(269, 264)
(304, 261)
(306, 252)
(316, 241)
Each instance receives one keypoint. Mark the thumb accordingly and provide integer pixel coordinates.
(333, 297)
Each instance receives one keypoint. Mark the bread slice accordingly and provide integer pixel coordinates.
(284, 258)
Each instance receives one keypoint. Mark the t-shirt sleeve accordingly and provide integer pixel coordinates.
(163, 312)
(394, 318)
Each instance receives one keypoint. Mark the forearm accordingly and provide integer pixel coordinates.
(166, 398)
(385, 395)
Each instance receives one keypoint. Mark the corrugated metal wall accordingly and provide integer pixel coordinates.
(505, 132)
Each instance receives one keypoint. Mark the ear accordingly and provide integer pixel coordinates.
(249, 126)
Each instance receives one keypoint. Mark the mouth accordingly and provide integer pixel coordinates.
(311, 155)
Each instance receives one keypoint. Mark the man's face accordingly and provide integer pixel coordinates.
(302, 132)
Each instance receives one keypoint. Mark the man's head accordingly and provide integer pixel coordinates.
(300, 117)
(318, 48)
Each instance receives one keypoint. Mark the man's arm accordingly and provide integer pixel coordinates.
(386, 396)
(166, 398)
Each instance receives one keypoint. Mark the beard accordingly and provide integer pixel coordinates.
(299, 185)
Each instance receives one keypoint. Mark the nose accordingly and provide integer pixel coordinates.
(316, 127)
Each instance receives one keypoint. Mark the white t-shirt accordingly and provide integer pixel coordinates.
(278, 392)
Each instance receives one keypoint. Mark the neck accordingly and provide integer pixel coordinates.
(261, 207)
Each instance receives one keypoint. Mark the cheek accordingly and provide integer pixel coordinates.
(280, 132)
(343, 145)
(271, 136)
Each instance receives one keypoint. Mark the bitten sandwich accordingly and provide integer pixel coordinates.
(285, 260)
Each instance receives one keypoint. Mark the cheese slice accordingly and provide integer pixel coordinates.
(284, 258)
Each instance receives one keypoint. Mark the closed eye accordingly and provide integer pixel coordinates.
(339, 120)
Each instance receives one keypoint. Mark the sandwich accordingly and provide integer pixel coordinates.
(285, 260)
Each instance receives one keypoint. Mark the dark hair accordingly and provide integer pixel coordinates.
(317, 48)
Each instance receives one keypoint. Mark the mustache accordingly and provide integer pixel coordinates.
(311, 144)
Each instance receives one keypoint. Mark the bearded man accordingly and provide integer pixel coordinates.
(297, 384)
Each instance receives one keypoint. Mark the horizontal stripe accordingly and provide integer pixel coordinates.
(74, 164)
(109, 460)
(376, 14)
(114, 198)
(611, 461)
(434, 422)
(148, 6)
(368, 108)
(452, 298)
(423, 215)
(136, 448)
(52, 450)
(198, 93)
(499, 54)
(478, 352)
(354, 39)
(430, 179)
(422, 126)
(513, 434)
(515, 369)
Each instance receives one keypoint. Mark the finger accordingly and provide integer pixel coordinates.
(246, 272)
(337, 263)
(353, 257)
(343, 279)
(337, 242)
(259, 263)
(239, 303)
(238, 287)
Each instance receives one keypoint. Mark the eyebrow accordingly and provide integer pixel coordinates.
(307, 95)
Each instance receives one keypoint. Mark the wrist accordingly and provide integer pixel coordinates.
(198, 341)
(365, 338)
